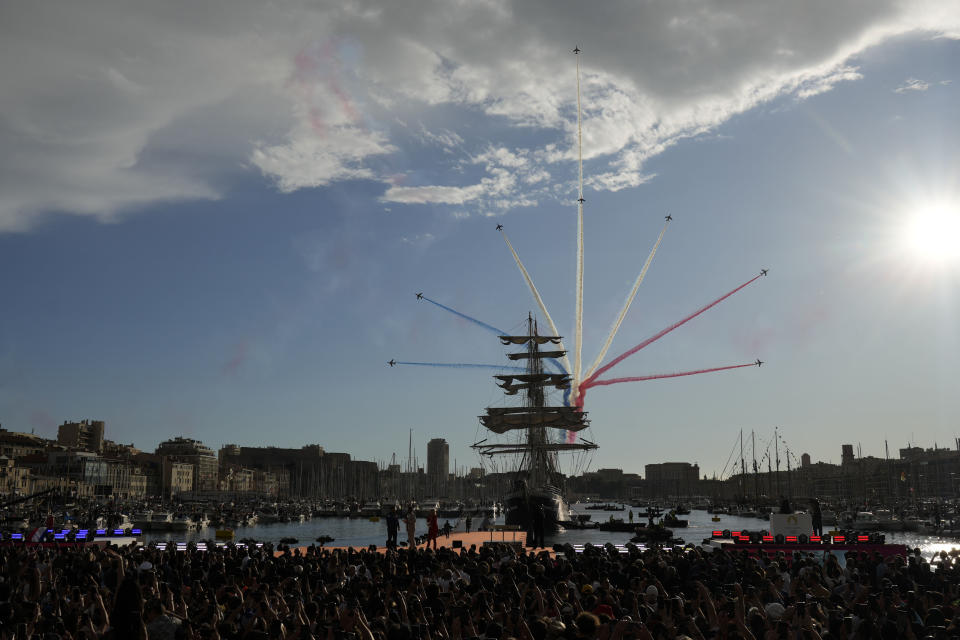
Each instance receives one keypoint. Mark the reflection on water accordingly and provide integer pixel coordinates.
(346, 532)
(360, 532)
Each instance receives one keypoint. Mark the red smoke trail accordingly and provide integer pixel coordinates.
(239, 357)
(660, 376)
(591, 381)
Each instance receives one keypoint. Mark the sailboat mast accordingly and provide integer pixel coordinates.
(776, 452)
(756, 473)
(789, 480)
(769, 473)
(743, 471)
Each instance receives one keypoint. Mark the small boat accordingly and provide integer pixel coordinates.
(616, 525)
(671, 520)
(181, 522)
(866, 521)
(288, 541)
(324, 540)
(656, 533)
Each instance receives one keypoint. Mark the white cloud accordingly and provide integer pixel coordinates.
(912, 84)
(444, 138)
(433, 194)
(499, 189)
(314, 159)
(419, 240)
(109, 106)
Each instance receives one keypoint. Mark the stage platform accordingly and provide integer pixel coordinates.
(456, 540)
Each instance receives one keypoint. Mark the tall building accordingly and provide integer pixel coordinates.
(438, 465)
(194, 452)
(846, 454)
(86, 435)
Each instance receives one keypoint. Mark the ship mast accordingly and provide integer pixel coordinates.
(543, 464)
(534, 417)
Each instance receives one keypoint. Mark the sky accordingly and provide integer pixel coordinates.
(214, 217)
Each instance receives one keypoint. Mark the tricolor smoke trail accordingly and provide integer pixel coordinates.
(536, 295)
(589, 381)
(463, 365)
(656, 376)
(499, 332)
(626, 306)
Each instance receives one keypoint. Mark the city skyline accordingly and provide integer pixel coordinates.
(73, 436)
(215, 227)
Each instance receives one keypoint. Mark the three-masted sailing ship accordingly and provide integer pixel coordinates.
(535, 433)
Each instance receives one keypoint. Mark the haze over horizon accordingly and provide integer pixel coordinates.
(214, 218)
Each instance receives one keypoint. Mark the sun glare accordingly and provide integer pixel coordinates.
(933, 234)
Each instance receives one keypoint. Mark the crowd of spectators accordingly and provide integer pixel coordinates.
(492, 592)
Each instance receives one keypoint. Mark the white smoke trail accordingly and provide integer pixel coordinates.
(626, 306)
(536, 295)
(578, 310)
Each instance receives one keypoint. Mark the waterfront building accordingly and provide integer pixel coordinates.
(672, 479)
(266, 483)
(67, 487)
(113, 449)
(109, 477)
(14, 480)
(609, 483)
(15, 445)
(177, 477)
(138, 483)
(86, 435)
(194, 452)
(151, 466)
(236, 479)
(303, 472)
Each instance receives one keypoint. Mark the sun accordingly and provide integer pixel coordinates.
(932, 233)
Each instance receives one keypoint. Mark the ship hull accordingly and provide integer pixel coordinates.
(519, 509)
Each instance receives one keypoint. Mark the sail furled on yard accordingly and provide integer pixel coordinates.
(514, 383)
(555, 417)
(539, 356)
(508, 340)
(556, 447)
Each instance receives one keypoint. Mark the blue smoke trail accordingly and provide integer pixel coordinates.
(488, 327)
(493, 329)
(464, 365)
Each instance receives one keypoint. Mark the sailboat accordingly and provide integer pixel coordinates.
(534, 433)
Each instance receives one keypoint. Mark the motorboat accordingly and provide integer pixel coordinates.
(865, 521)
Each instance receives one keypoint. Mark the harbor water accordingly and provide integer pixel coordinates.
(361, 532)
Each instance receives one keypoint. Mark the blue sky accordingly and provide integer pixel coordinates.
(215, 228)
